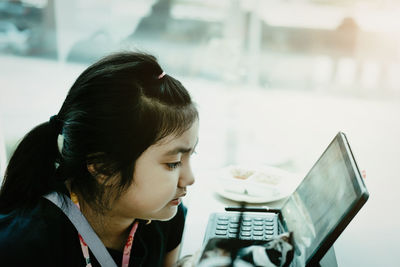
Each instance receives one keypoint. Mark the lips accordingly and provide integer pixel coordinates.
(180, 196)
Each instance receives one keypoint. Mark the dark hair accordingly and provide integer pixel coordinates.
(114, 111)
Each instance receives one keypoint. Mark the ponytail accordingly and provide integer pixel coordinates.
(31, 169)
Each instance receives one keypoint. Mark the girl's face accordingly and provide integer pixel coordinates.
(161, 176)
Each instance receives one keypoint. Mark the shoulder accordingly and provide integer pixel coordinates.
(28, 236)
(152, 241)
(175, 223)
(173, 229)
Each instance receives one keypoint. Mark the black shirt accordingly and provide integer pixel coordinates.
(44, 236)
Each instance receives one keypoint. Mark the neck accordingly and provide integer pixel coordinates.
(112, 230)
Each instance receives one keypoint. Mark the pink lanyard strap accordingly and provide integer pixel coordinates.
(128, 246)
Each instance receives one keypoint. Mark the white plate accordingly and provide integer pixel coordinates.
(265, 184)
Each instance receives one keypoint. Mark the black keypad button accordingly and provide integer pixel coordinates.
(233, 230)
(220, 232)
(233, 225)
(222, 227)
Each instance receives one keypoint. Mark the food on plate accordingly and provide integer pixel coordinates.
(241, 173)
(264, 178)
(258, 176)
(255, 184)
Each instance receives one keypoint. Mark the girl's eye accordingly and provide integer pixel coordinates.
(174, 165)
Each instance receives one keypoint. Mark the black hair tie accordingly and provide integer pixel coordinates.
(56, 123)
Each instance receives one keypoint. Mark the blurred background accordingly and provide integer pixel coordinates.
(274, 81)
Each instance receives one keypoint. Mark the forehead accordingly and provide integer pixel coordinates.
(186, 139)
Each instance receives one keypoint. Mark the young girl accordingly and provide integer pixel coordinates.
(120, 149)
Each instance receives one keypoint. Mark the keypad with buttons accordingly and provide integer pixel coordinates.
(255, 226)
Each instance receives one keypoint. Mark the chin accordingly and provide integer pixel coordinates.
(166, 214)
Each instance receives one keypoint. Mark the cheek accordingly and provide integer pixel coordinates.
(161, 189)
(152, 190)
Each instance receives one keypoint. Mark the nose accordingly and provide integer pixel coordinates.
(186, 177)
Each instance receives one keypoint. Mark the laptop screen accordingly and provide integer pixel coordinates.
(328, 193)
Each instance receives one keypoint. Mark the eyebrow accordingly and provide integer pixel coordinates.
(182, 150)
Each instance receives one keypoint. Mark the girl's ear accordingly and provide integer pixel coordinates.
(93, 170)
